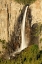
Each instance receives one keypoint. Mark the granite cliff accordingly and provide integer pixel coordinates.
(9, 14)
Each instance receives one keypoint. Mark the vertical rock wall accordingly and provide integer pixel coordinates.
(3, 20)
(9, 12)
(36, 11)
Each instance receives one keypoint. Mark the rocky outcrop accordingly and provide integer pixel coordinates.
(36, 12)
(9, 12)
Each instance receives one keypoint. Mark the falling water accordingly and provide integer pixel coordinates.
(23, 44)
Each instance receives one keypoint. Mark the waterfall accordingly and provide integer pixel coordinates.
(23, 44)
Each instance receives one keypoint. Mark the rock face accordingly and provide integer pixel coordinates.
(36, 12)
(9, 13)
(16, 38)
(28, 26)
(3, 20)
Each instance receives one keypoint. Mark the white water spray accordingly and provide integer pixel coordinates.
(23, 44)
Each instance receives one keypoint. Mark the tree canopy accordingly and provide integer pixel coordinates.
(31, 55)
(25, 1)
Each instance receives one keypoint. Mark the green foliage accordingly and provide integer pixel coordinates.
(30, 55)
(41, 27)
(37, 28)
(40, 40)
(3, 44)
(25, 1)
(37, 31)
(4, 47)
(3, 41)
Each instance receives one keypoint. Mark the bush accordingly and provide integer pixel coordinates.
(25, 1)
(2, 41)
(30, 55)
